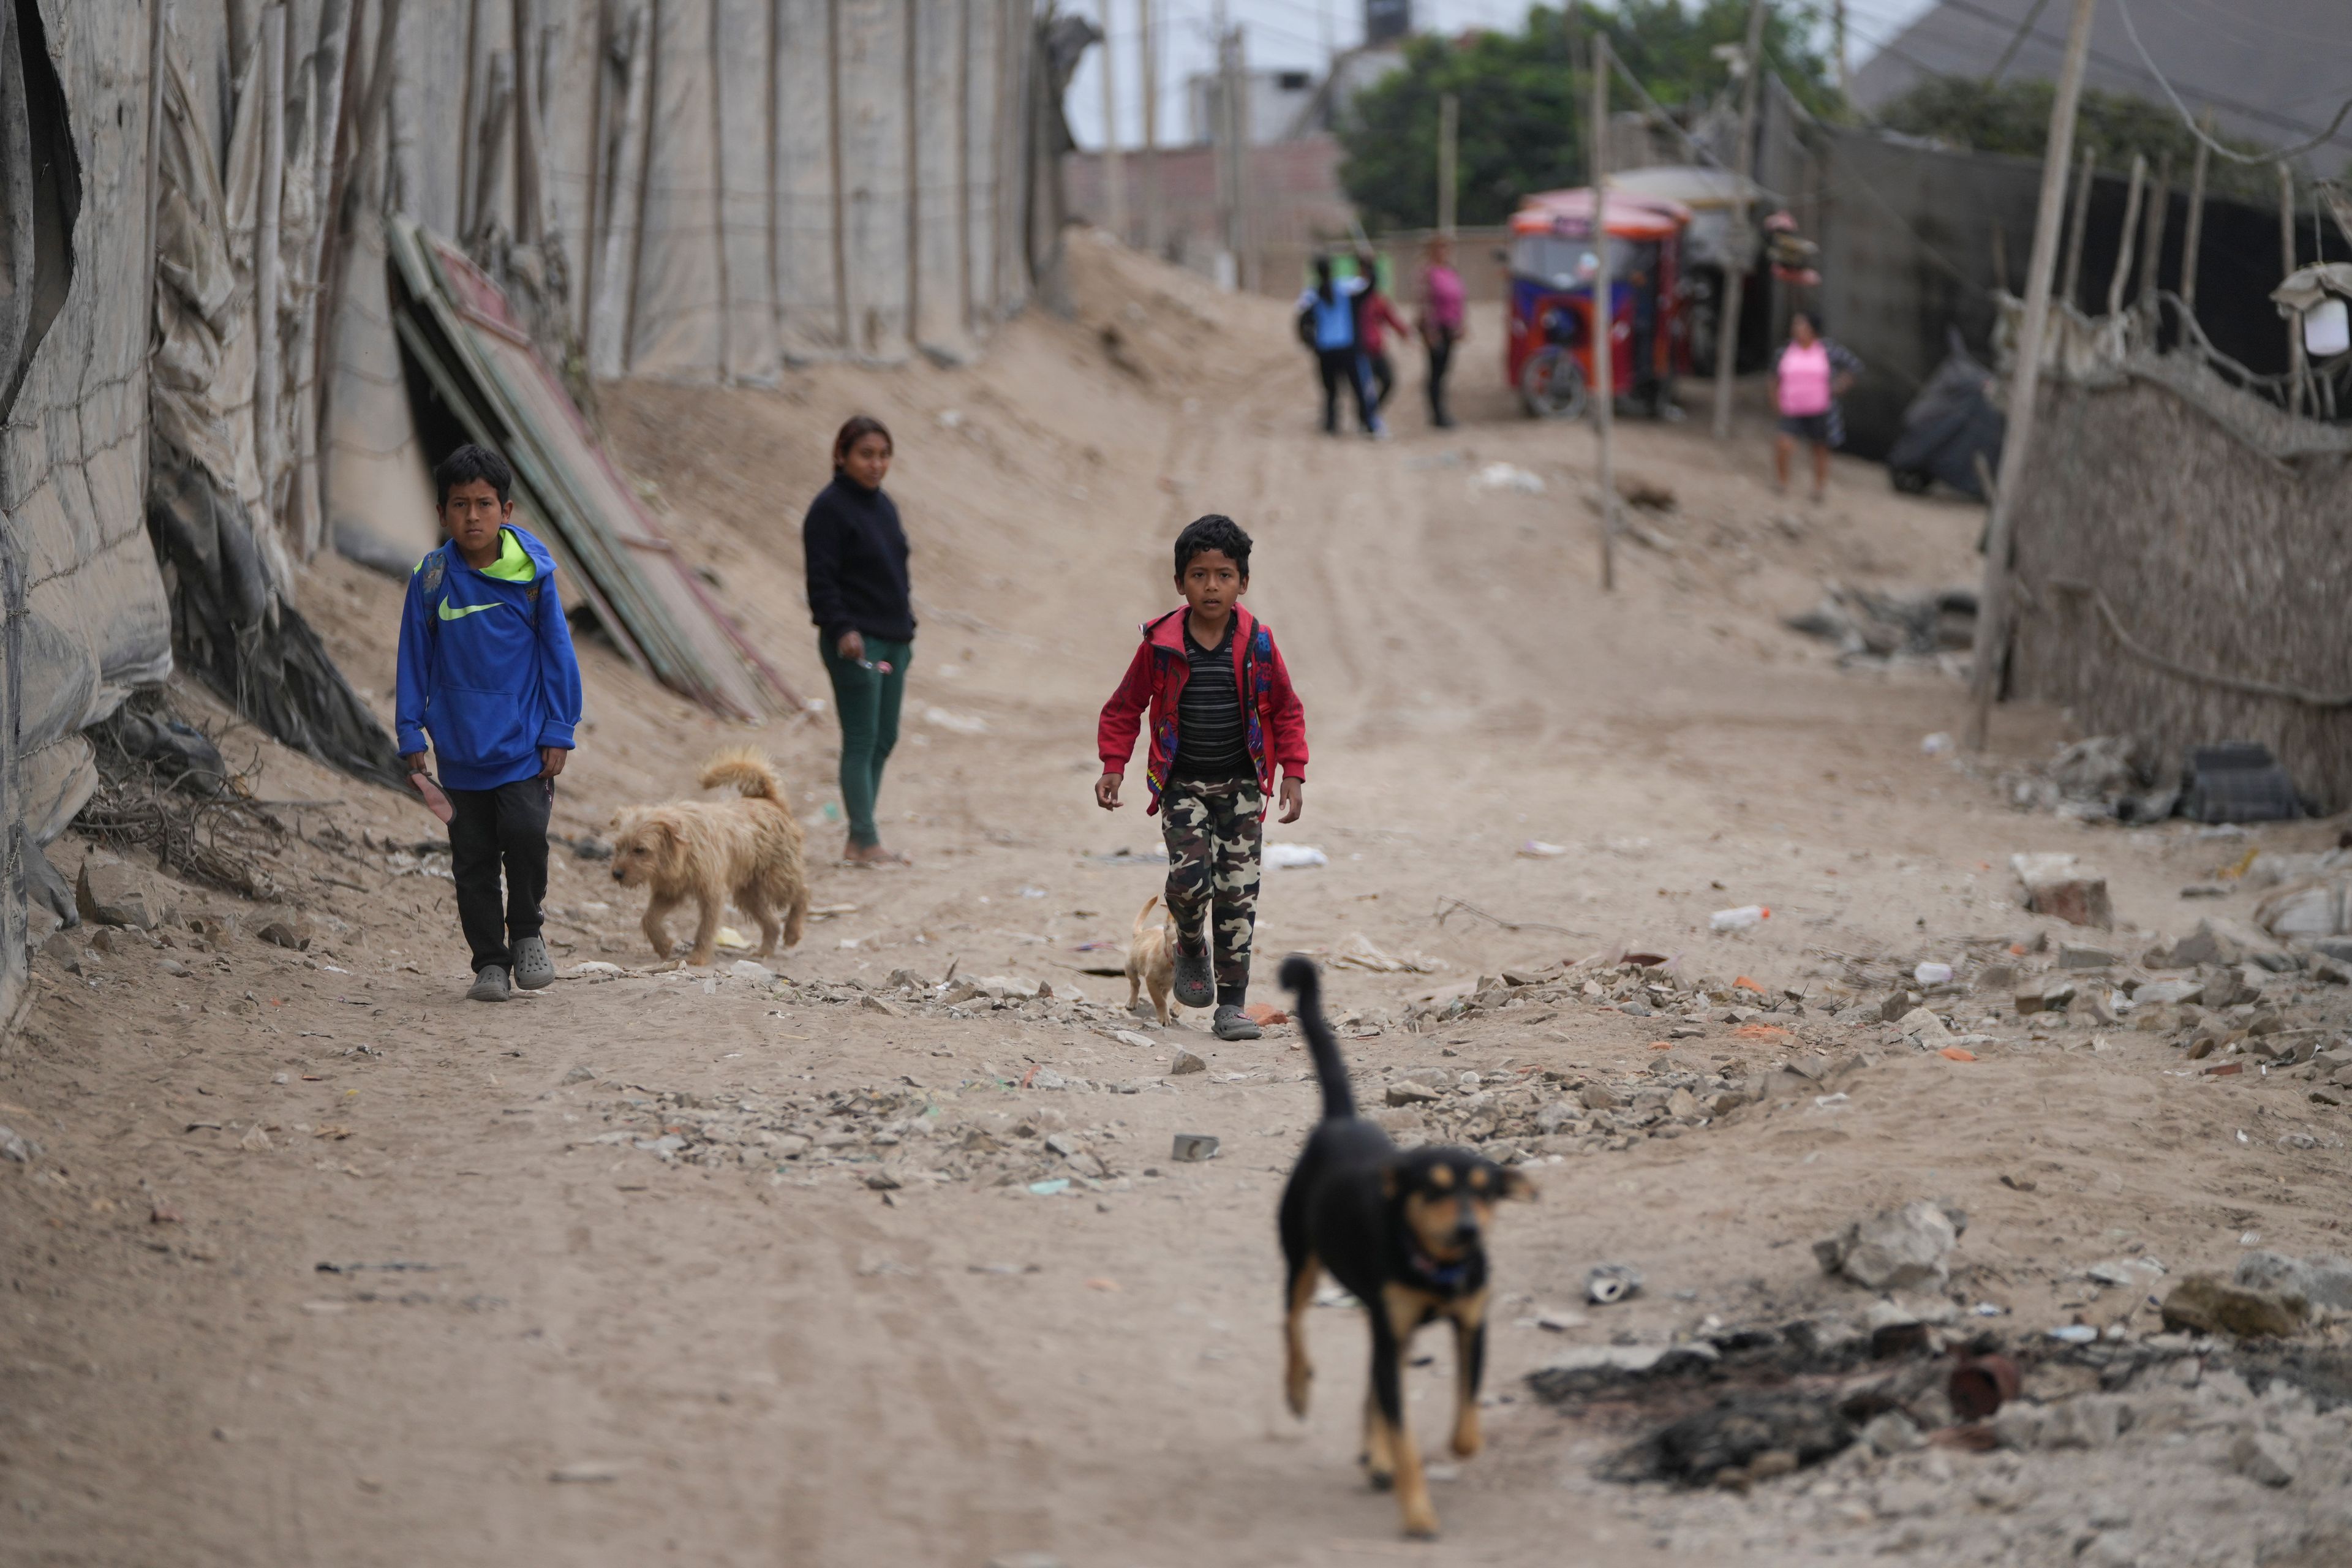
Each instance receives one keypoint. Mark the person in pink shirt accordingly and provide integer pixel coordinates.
(1810, 377)
(1443, 323)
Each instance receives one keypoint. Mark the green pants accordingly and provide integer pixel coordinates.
(867, 701)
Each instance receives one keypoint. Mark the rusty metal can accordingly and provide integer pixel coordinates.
(1981, 1385)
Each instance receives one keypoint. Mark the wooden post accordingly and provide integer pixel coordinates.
(530, 215)
(608, 320)
(2151, 240)
(2295, 364)
(1603, 336)
(2194, 235)
(1449, 132)
(336, 18)
(1837, 30)
(1114, 177)
(2124, 236)
(1150, 51)
(267, 367)
(1993, 612)
(2070, 290)
(1734, 281)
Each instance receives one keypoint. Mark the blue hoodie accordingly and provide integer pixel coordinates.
(486, 664)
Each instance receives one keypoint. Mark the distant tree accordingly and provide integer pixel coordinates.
(1526, 105)
(2014, 117)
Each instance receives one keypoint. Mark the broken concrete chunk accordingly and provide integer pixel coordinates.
(1893, 1249)
(292, 935)
(2072, 955)
(1186, 1062)
(2265, 1457)
(1922, 1027)
(1405, 1091)
(2056, 885)
(2209, 1304)
(110, 893)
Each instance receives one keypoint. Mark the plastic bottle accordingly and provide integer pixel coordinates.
(1740, 919)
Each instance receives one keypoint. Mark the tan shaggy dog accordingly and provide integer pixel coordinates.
(1151, 962)
(710, 851)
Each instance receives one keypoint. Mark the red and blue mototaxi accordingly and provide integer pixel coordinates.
(1552, 265)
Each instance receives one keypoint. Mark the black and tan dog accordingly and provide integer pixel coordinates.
(1405, 1233)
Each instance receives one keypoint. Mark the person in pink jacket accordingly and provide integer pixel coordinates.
(1810, 377)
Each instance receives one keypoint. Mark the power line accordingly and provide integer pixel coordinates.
(2276, 155)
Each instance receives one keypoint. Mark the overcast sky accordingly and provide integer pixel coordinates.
(1292, 33)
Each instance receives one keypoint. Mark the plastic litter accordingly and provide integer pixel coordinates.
(1611, 1282)
(1509, 477)
(1048, 1189)
(1746, 917)
(1937, 744)
(1295, 856)
(2075, 1334)
(1193, 1146)
(1537, 849)
(1930, 973)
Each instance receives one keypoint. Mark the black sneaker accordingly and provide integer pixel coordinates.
(1232, 1024)
(490, 985)
(1194, 988)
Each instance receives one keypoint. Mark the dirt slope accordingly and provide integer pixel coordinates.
(734, 1348)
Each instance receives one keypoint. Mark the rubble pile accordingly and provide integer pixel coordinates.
(890, 1136)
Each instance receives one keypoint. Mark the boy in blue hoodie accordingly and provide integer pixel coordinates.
(486, 667)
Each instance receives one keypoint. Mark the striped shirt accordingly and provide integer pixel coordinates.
(1212, 744)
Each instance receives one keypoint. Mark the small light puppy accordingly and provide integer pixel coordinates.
(747, 849)
(1152, 962)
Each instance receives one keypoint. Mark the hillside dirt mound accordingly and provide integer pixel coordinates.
(877, 1252)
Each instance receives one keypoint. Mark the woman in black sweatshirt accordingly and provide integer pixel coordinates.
(858, 596)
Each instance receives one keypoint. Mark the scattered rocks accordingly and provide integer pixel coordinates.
(2265, 1457)
(2072, 955)
(1405, 1091)
(2209, 1304)
(14, 1147)
(294, 937)
(1191, 1147)
(1895, 1248)
(2323, 1281)
(873, 1003)
(1186, 1062)
(1923, 1029)
(110, 893)
(2056, 885)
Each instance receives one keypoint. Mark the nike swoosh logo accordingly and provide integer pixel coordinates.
(449, 614)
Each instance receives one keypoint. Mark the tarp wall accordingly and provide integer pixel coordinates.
(85, 611)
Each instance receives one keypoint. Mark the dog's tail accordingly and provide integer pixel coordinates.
(1141, 913)
(748, 771)
(1299, 975)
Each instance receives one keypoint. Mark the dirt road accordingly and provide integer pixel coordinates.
(316, 1263)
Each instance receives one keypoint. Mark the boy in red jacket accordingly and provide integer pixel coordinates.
(1224, 718)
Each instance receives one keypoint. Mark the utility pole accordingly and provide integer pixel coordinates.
(1449, 130)
(1992, 608)
(268, 368)
(1114, 178)
(2194, 235)
(1245, 209)
(1150, 50)
(1837, 25)
(1734, 281)
(1221, 121)
(2151, 243)
(1603, 334)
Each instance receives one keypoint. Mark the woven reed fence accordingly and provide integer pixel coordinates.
(2184, 561)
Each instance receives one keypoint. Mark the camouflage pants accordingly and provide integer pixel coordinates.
(1214, 833)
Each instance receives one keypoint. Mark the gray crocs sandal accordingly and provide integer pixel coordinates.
(1194, 988)
(533, 967)
(1232, 1024)
(490, 985)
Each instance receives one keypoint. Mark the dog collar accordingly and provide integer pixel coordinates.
(1445, 1276)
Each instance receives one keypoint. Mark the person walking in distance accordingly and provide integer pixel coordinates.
(486, 668)
(859, 596)
(1376, 318)
(1810, 375)
(1224, 718)
(1443, 323)
(1327, 324)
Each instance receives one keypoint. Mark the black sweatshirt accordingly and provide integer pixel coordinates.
(857, 564)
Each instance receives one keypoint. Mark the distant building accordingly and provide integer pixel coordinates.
(1385, 21)
(1272, 102)
(2270, 70)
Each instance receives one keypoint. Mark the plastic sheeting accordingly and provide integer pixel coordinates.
(85, 617)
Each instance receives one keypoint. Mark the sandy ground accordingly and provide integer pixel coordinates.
(613, 1355)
